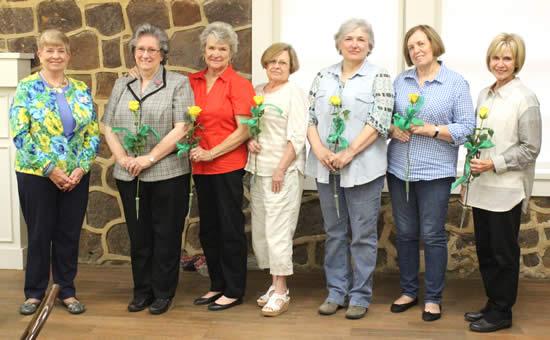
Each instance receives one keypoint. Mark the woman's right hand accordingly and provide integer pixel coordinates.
(400, 135)
(61, 180)
(124, 161)
(254, 146)
(325, 156)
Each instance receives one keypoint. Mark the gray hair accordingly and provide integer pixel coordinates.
(158, 33)
(223, 32)
(351, 25)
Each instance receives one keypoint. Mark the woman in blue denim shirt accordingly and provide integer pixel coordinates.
(352, 175)
(426, 156)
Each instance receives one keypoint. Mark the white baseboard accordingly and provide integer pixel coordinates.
(13, 258)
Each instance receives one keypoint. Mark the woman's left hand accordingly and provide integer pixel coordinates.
(342, 159)
(198, 154)
(138, 164)
(427, 130)
(75, 176)
(277, 180)
(479, 166)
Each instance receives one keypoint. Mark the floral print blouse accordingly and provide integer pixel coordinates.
(37, 130)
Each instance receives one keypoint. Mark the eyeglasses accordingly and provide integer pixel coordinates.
(281, 63)
(150, 51)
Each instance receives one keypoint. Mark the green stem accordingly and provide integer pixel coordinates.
(137, 199)
(407, 173)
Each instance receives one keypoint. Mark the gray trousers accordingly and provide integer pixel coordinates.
(351, 243)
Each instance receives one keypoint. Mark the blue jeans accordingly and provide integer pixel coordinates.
(423, 216)
(351, 240)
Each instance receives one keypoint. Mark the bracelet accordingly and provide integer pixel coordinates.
(436, 131)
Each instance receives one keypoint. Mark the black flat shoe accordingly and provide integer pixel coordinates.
(206, 301)
(399, 308)
(428, 316)
(140, 303)
(160, 306)
(484, 326)
(473, 316)
(216, 306)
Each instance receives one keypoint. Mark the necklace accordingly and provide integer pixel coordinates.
(55, 87)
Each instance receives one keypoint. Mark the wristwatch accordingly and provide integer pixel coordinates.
(152, 159)
(436, 131)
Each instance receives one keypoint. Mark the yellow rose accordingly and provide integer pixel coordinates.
(413, 97)
(194, 111)
(259, 100)
(133, 105)
(335, 101)
(483, 112)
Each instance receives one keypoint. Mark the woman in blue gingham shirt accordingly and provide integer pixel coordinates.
(448, 116)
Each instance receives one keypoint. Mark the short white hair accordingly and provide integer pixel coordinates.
(351, 25)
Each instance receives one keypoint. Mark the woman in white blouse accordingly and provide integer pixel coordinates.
(503, 188)
(277, 160)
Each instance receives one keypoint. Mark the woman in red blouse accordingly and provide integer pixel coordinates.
(218, 162)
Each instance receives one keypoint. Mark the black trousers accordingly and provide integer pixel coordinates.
(221, 233)
(54, 221)
(155, 238)
(498, 255)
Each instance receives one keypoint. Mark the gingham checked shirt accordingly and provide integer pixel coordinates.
(163, 104)
(447, 101)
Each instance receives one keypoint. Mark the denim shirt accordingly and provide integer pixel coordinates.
(368, 95)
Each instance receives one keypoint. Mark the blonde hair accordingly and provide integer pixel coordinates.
(53, 37)
(507, 40)
(272, 51)
(438, 48)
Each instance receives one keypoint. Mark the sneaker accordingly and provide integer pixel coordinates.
(329, 308)
(356, 312)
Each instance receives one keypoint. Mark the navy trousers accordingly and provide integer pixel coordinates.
(54, 221)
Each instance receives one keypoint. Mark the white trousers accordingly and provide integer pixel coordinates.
(274, 219)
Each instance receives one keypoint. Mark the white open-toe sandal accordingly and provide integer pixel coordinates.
(262, 300)
(276, 305)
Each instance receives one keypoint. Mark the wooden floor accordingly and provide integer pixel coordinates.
(106, 291)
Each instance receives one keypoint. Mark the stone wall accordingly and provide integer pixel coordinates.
(99, 32)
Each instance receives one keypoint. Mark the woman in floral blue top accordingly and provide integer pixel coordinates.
(55, 130)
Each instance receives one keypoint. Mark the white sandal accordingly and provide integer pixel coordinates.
(277, 304)
(262, 300)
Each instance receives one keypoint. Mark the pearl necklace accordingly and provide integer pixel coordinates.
(56, 88)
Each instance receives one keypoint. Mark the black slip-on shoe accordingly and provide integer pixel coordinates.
(484, 326)
(399, 308)
(216, 306)
(140, 303)
(206, 301)
(160, 306)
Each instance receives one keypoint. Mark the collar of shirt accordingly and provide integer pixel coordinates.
(336, 69)
(505, 90)
(225, 76)
(441, 77)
